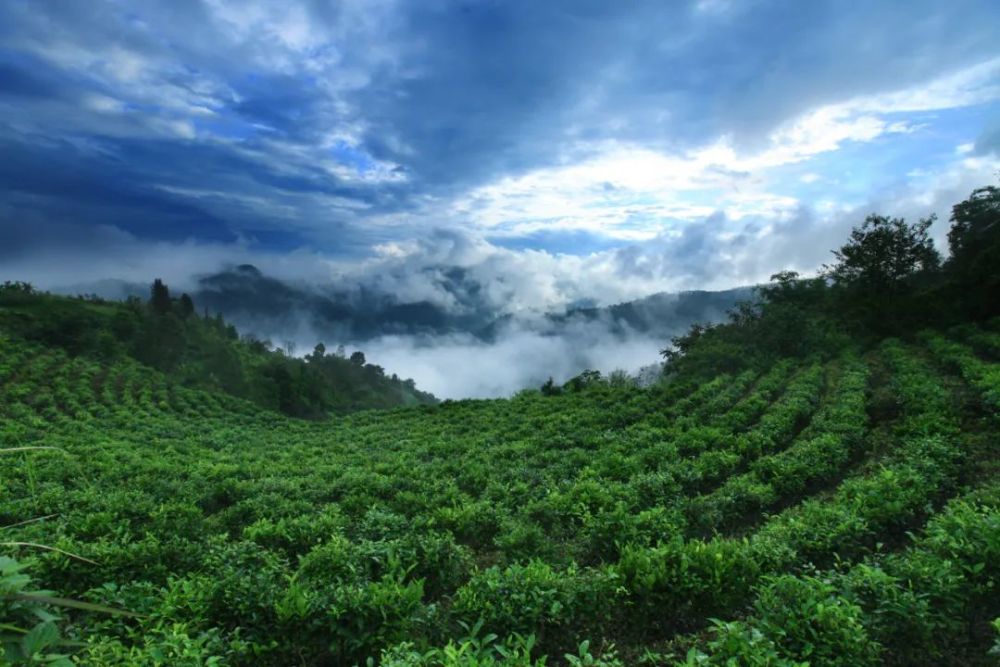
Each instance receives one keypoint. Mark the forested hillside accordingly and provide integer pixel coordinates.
(814, 482)
(199, 350)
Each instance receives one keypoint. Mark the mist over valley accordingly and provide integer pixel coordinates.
(461, 344)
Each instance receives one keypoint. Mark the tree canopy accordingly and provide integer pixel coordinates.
(887, 279)
(974, 241)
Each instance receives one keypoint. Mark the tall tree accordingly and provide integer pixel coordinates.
(159, 298)
(318, 352)
(185, 306)
(879, 269)
(974, 241)
(884, 253)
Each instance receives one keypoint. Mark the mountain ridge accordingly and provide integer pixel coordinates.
(265, 305)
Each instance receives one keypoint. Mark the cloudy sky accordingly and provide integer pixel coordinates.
(569, 149)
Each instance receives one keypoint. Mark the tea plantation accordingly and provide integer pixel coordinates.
(838, 512)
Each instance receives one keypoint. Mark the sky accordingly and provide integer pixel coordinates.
(559, 150)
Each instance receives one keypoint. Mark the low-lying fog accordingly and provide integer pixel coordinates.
(462, 366)
(519, 354)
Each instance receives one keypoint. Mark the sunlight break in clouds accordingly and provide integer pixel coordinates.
(630, 192)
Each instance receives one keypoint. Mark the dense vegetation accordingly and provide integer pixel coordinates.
(888, 280)
(203, 352)
(812, 484)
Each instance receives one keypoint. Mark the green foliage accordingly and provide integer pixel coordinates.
(886, 280)
(909, 608)
(246, 538)
(790, 318)
(30, 633)
(685, 579)
(795, 621)
(974, 264)
(736, 643)
(879, 273)
(809, 621)
(534, 598)
(204, 353)
(983, 376)
(471, 650)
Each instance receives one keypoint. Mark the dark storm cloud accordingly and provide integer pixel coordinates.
(344, 113)
(19, 81)
(505, 86)
(62, 182)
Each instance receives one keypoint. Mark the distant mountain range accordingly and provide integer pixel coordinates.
(280, 310)
(660, 314)
(261, 303)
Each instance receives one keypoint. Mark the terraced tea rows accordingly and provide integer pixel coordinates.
(836, 512)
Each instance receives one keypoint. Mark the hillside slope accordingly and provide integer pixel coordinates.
(612, 514)
(203, 352)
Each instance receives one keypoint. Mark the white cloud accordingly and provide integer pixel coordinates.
(968, 86)
(632, 192)
(463, 367)
(102, 103)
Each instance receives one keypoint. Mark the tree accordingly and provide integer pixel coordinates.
(16, 291)
(358, 358)
(879, 269)
(550, 388)
(709, 350)
(620, 378)
(788, 288)
(795, 319)
(185, 306)
(974, 241)
(883, 253)
(160, 341)
(159, 298)
(585, 379)
(318, 353)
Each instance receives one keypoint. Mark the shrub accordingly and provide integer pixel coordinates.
(808, 620)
